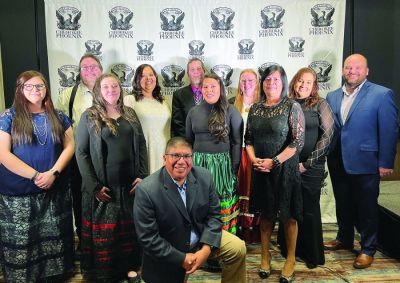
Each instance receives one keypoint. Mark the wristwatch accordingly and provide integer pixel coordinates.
(55, 173)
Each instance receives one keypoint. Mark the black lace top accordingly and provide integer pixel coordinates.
(270, 129)
(318, 134)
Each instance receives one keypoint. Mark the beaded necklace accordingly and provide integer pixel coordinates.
(40, 131)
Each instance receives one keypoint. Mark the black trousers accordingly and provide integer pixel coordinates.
(309, 247)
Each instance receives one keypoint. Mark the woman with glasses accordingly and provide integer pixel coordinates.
(36, 144)
(274, 137)
(153, 112)
(112, 158)
(214, 128)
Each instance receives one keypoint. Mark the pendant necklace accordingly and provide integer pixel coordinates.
(40, 131)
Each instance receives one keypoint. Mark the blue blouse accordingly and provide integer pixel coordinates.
(40, 155)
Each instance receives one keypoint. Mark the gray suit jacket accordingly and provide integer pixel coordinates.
(163, 223)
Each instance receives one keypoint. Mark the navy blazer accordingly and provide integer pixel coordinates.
(368, 138)
(182, 102)
(163, 223)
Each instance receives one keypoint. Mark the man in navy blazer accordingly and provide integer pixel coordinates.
(177, 220)
(362, 151)
(186, 97)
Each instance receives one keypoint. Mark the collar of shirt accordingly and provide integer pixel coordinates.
(355, 91)
(181, 188)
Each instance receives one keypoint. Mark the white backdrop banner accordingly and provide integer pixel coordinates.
(228, 35)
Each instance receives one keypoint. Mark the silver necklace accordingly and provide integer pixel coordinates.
(40, 131)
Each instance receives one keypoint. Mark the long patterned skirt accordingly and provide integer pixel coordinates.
(220, 167)
(248, 222)
(36, 236)
(109, 247)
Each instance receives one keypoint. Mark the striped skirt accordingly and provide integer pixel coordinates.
(36, 236)
(220, 167)
(108, 244)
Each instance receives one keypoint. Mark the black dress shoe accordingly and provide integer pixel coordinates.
(311, 265)
(264, 274)
(286, 279)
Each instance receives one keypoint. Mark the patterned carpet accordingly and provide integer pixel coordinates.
(338, 267)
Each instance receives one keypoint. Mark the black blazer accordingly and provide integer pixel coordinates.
(182, 102)
(163, 223)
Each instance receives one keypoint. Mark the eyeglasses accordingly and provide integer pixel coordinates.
(177, 156)
(89, 68)
(29, 87)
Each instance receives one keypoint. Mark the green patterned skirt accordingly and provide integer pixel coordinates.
(220, 167)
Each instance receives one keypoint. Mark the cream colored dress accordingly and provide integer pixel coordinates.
(155, 118)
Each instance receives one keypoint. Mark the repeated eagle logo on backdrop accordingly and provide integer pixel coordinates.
(67, 75)
(173, 76)
(93, 47)
(271, 16)
(246, 46)
(120, 18)
(224, 72)
(322, 15)
(68, 18)
(223, 22)
(124, 73)
(67, 21)
(196, 47)
(296, 44)
(171, 19)
(145, 47)
(322, 68)
(222, 18)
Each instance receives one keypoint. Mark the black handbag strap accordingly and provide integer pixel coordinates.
(71, 100)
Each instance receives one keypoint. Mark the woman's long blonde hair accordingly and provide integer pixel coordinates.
(239, 95)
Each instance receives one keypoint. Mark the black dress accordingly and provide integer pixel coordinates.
(319, 131)
(270, 130)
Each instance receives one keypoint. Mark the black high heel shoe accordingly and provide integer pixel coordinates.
(286, 279)
(264, 273)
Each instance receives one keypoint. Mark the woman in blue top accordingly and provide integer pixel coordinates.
(36, 144)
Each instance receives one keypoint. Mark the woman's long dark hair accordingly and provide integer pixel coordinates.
(98, 112)
(268, 71)
(314, 97)
(22, 128)
(217, 120)
(137, 89)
